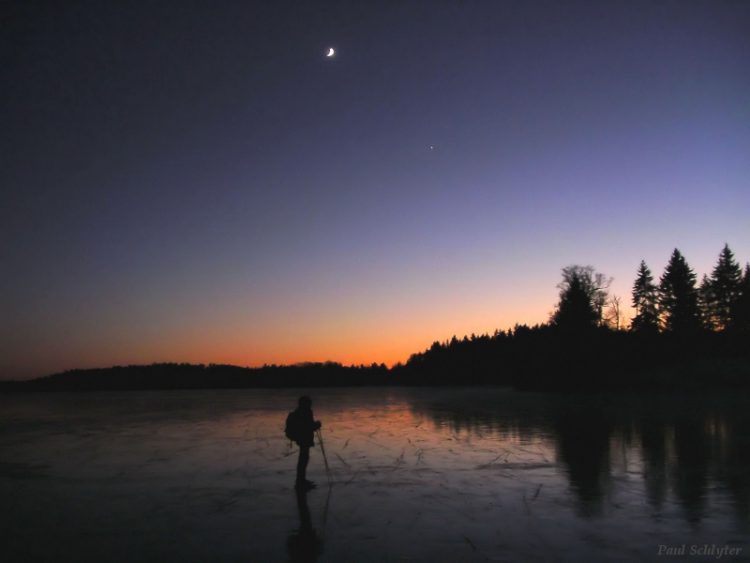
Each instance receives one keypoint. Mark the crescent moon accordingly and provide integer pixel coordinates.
(331, 52)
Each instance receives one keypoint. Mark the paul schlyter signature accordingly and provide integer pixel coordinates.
(700, 550)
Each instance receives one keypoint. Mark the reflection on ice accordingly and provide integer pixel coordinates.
(431, 474)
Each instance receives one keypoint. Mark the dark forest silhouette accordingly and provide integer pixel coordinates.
(683, 335)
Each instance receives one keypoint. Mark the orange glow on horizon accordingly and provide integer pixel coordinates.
(350, 335)
(388, 338)
(349, 341)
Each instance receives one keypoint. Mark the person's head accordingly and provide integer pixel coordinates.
(305, 402)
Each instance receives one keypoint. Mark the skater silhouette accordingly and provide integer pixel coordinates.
(300, 428)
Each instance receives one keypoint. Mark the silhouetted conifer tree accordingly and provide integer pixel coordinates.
(645, 301)
(723, 290)
(678, 296)
(741, 310)
(704, 303)
(583, 294)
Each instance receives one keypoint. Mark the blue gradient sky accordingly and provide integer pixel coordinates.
(197, 182)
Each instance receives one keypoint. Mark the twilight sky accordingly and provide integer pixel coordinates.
(196, 181)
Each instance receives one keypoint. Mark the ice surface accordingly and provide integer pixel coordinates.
(416, 474)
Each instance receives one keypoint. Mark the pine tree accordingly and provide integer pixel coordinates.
(705, 300)
(741, 310)
(724, 289)
(678, 297)
(645, 301)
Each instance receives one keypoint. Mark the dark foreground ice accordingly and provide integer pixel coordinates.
(446, 474)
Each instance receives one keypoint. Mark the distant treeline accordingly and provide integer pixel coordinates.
(199, 376)
(544, 357)
(683, 335)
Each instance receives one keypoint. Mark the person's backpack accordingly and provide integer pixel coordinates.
(291, 430)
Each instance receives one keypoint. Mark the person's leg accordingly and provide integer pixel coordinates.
(304, 458)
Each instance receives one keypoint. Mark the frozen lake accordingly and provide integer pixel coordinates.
(447, 474)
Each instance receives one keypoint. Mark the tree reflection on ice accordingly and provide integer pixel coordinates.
(423, 473)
